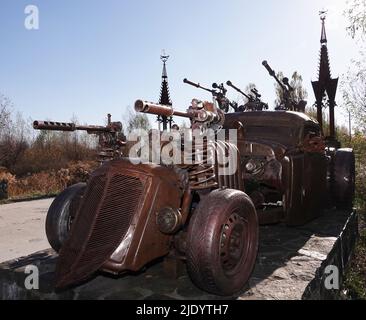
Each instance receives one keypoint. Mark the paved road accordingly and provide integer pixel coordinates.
(289, 260)
(22, 228)
(291, 265)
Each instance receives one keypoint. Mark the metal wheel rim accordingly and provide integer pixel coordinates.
(233, 243)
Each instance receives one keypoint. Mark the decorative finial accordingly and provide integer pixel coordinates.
(164, 92)
(323, 16)
(164, 57)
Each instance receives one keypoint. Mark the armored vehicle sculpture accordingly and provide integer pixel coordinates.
(132, 213)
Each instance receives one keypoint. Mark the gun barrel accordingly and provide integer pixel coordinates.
(269, 69)
(230, 84)
(191, 83)
(197, 85)
(54, 125)
(272, 73)
(66, 126)
(157, 109)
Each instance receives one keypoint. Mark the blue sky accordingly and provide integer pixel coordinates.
(91, 57)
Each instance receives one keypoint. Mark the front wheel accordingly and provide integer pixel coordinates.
(61, 214)
(222, 242)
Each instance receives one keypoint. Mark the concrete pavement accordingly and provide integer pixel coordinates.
(22, 228)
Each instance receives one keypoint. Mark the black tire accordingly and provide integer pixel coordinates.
(61, 214)
(222, 242)
(343, 178)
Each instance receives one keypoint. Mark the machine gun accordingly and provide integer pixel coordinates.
(111, 138)
(259, 103)
(254, 102)
(287, 102)
(219, 94)
(256, 93)
(198, 156)
(203, 115)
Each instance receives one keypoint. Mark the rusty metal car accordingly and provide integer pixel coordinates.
(290, 170)
(129, 215)
(284, 165)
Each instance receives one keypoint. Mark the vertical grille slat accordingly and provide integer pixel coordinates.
(108, 213)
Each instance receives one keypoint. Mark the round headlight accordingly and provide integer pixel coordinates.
(250, 166)
(169, 220)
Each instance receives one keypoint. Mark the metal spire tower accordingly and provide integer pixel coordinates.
(164, 93)
(325, 86)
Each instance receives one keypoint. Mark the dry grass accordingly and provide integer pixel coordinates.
(42, 183)
(355, 278)
(47, 183)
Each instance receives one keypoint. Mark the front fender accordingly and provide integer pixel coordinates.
(115, 227)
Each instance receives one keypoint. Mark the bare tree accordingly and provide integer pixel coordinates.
(356, 14)
(5, 112)
(353, 87)
(248, 90)
(353, 84)
(137, 121)
(13, 142)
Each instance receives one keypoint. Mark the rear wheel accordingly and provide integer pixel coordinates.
(222, 242)
(343, 178)
(61, 214)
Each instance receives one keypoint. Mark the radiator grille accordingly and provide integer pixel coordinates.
(100, 226)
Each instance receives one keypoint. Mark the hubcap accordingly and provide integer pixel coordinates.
(232, 242)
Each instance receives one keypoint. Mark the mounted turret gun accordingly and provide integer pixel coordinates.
(202, 114)
(219, 95)
(254, 102)
(111, 138)
(287, 103)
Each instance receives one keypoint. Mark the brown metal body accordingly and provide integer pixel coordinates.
(115, 229)
(120, 223)
(283, 163)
